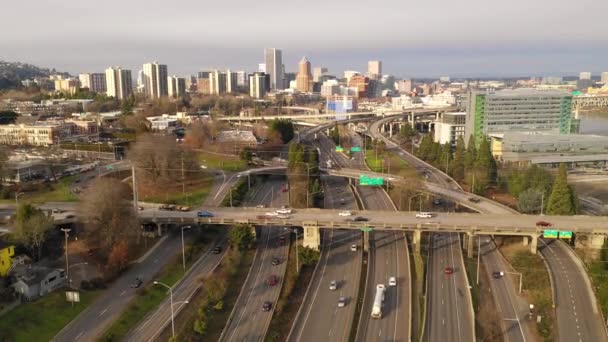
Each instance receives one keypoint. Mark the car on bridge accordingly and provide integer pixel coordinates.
(272, 280)
(284, 211)
(448, 270)
(266, 306)
(345, 213)
(474, 199)
(543, 224)
(283, 216)
(341, 302)
(333, 285)
(424, 214)
(204, 214)
(272, 213)
(360, 219)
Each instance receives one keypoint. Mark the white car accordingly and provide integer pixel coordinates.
(272, 213)
(284, 211)
(345, 213)
(392, 281)
(424, 215)
(333, 285)
(283, 216)
(353, 248)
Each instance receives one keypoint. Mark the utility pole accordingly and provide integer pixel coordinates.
(134, 185)
(183, 178)
(478, 256)
(66, 232)
(542, 203)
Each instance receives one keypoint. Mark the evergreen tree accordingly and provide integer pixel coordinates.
(458, 163)
(485, 160)
(562, 200)
(445, 158)
(470, 155)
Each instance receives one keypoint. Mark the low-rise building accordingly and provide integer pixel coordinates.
(164, 122)
(6, 254)
(50, 132)
(32, 282)
(238, 137)
(449, 127)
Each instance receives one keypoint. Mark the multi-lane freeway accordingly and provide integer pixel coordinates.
(449, 315)
(247, 321)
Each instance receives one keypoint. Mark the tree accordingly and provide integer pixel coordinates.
(285, 129)
(562, 200)
(32, 227)
(445, 158)
(471, 154)
(246, 154)
(407, 132)
(108, 215)
(118, 260)
(8, 117)
(308, 256)
(529, 201)
(241, 236)
(458, 163)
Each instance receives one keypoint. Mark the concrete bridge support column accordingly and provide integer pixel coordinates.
(470, 245)
(534, 244)
(159, 229)
(525, 240)
(312, 236)
(390, 130)
(417, 239)
(596, 241)
(366, 241)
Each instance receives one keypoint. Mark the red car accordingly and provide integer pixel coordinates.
(448, 270)
(282, 240)
(272, 280)
(543, 224)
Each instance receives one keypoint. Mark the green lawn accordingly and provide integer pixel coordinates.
(151, 296)
(194, 195)
(374, 164)
(55, 192)
(598, 274)
(42, 319)
(222, 162)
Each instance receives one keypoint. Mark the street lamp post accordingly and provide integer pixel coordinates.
(66, 232)
(295, 230)
(183, 249)
(171, 299)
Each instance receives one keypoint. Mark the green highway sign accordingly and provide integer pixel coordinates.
(367, 229)
(550, 234)
(565, 235)
(110, 167)
(366, 180)
(339, 148)
(355, 149)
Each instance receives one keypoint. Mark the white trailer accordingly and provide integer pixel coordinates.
(378, 301)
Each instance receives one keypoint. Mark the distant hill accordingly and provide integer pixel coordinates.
(12, 73)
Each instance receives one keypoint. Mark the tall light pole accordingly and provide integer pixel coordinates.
(171, 299)
(66, 232)
(183, 249)
(478, 256)
(295, 230)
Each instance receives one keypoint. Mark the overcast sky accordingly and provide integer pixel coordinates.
(412, 38)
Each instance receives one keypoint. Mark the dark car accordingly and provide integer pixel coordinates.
(448, 270)
(266, 306)
(272, 280)
(497, 274)
(276, 261)
(544, 224)
(282, 240)
(474, 199)
(204, 214)
(216, 250)
(137, 283)
(360, 219)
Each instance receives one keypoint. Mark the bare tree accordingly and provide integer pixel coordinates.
(32, 226)
(108, 216)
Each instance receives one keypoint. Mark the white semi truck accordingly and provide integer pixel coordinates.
(378, 301)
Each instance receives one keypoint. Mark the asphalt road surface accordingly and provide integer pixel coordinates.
(449, 306)
(578, 317)
(247, 321)
(320, 318)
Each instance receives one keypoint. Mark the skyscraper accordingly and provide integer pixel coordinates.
(273, 59)
(317, 73)
(584, 75)
(604, 78)
(176, 85)
(374, 69)
(304, 77)
(119, 83)
(231, 81)
(155, 80)
(217, 83)
(258, 83)
(96, 82)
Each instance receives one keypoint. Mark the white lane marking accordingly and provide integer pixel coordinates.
(103, 311)
(79, 335)
(123, 293)
(454, 281)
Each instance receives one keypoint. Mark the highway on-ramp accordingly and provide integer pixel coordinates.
(449, 314)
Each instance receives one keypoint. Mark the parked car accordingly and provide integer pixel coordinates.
(272, 280)
(341, 302)
(424, 215)
(204, 214)
(345, 213)
(448, 270)
(333, 285)
(544, 224)
(266, 306)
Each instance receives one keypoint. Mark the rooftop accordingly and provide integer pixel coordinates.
(526, 92)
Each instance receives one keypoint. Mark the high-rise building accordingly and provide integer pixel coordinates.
(119, 83)
(404, 86)
(258, 84)
(350, 73)
(231, 81)
(519, 110)
(155, 80)
(176, 85)
(202, 86)
(361, 83)
(67, 85)
(203, 74)
(241, 79)
(374, 69)
(217, 83)
(317, 73)
(96, 82)
(604, 78)
(273, 59)
(262, 67)
(304, 77)
(584, 75)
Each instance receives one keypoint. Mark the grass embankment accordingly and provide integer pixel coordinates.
(290, 299)
(232, 273)
(536, 283)
(151, 296)
(48, 192)
(237, 194)
(419, 308)
(42, 319)
(597, 269)
(222, 162)
(193, 193)
(360, 295)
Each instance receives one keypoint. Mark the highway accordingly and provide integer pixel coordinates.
(449, 315)
(247, 321)
(320, 318)
(578, 317)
